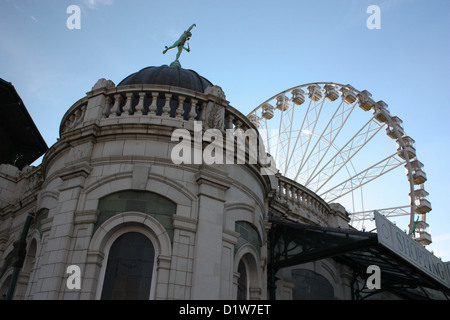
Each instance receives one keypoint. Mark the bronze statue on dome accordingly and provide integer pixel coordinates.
(179, 44)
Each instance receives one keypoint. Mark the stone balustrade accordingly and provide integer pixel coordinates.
(156, 101)
(298, 198)
(73, 119)
(160, 101)
(18, 184)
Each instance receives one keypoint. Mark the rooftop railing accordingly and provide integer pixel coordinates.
(300, 198)
(157, 101)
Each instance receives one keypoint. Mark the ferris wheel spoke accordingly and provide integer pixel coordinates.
(287, 129)
(311, 117)
(387, 212)
(311, 127)
(264, 134)
(316, 146)
(299, 135)
(345, 154)
(326, 140)
(280, 147)
(373, 172)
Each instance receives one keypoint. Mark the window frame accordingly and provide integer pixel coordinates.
(107, 249)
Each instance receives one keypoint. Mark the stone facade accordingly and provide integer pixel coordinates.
(110, 173)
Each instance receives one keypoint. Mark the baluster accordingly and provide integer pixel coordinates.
(285, 192)
(203, 112)
(116, 107)
(180, 111)
(314, 205)
(305, 201)
(294, 196)
(77, 117)
(166, 108)
(281, 190)
(65, 127)
(153, 107)
(192, 112)
(107, 110)
(83, 112)
(140, 106)
(127, 110)
(308, 202)
(289, 192)
(230, 119)
(69, 121)
(300, 199)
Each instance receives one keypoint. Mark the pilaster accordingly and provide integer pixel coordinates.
(213, 184)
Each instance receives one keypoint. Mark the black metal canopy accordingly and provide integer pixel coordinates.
(295, 243)
(20, 141)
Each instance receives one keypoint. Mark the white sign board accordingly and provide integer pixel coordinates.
(391, 237)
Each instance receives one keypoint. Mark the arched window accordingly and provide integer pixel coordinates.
(247, 252)
(152, 204)
(247, 234)
(129, 268)
(242, 288)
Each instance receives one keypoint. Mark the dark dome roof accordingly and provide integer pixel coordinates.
(171, 76)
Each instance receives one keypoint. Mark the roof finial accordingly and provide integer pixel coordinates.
(179, 44)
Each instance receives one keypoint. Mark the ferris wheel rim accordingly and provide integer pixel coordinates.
(305, 85)
(388, 121)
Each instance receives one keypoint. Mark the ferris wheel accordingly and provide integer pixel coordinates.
(347, 148)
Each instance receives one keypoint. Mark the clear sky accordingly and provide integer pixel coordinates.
(253, 50)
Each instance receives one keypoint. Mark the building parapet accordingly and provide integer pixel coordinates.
(297, 203)
(107, 101)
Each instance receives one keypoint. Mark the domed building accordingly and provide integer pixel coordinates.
(110, 206)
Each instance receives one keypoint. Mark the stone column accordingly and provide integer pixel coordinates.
(180, 281)
(61, 237)
(53, 272)
(213, 184)
(97, 103)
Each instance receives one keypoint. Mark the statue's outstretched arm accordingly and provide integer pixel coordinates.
(190, 28)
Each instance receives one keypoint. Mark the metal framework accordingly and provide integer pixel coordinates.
(362, 178)
(387, 212)
(292, 244)
(319, 141)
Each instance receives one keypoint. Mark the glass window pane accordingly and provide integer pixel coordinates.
(242, 282)
(129, 268)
